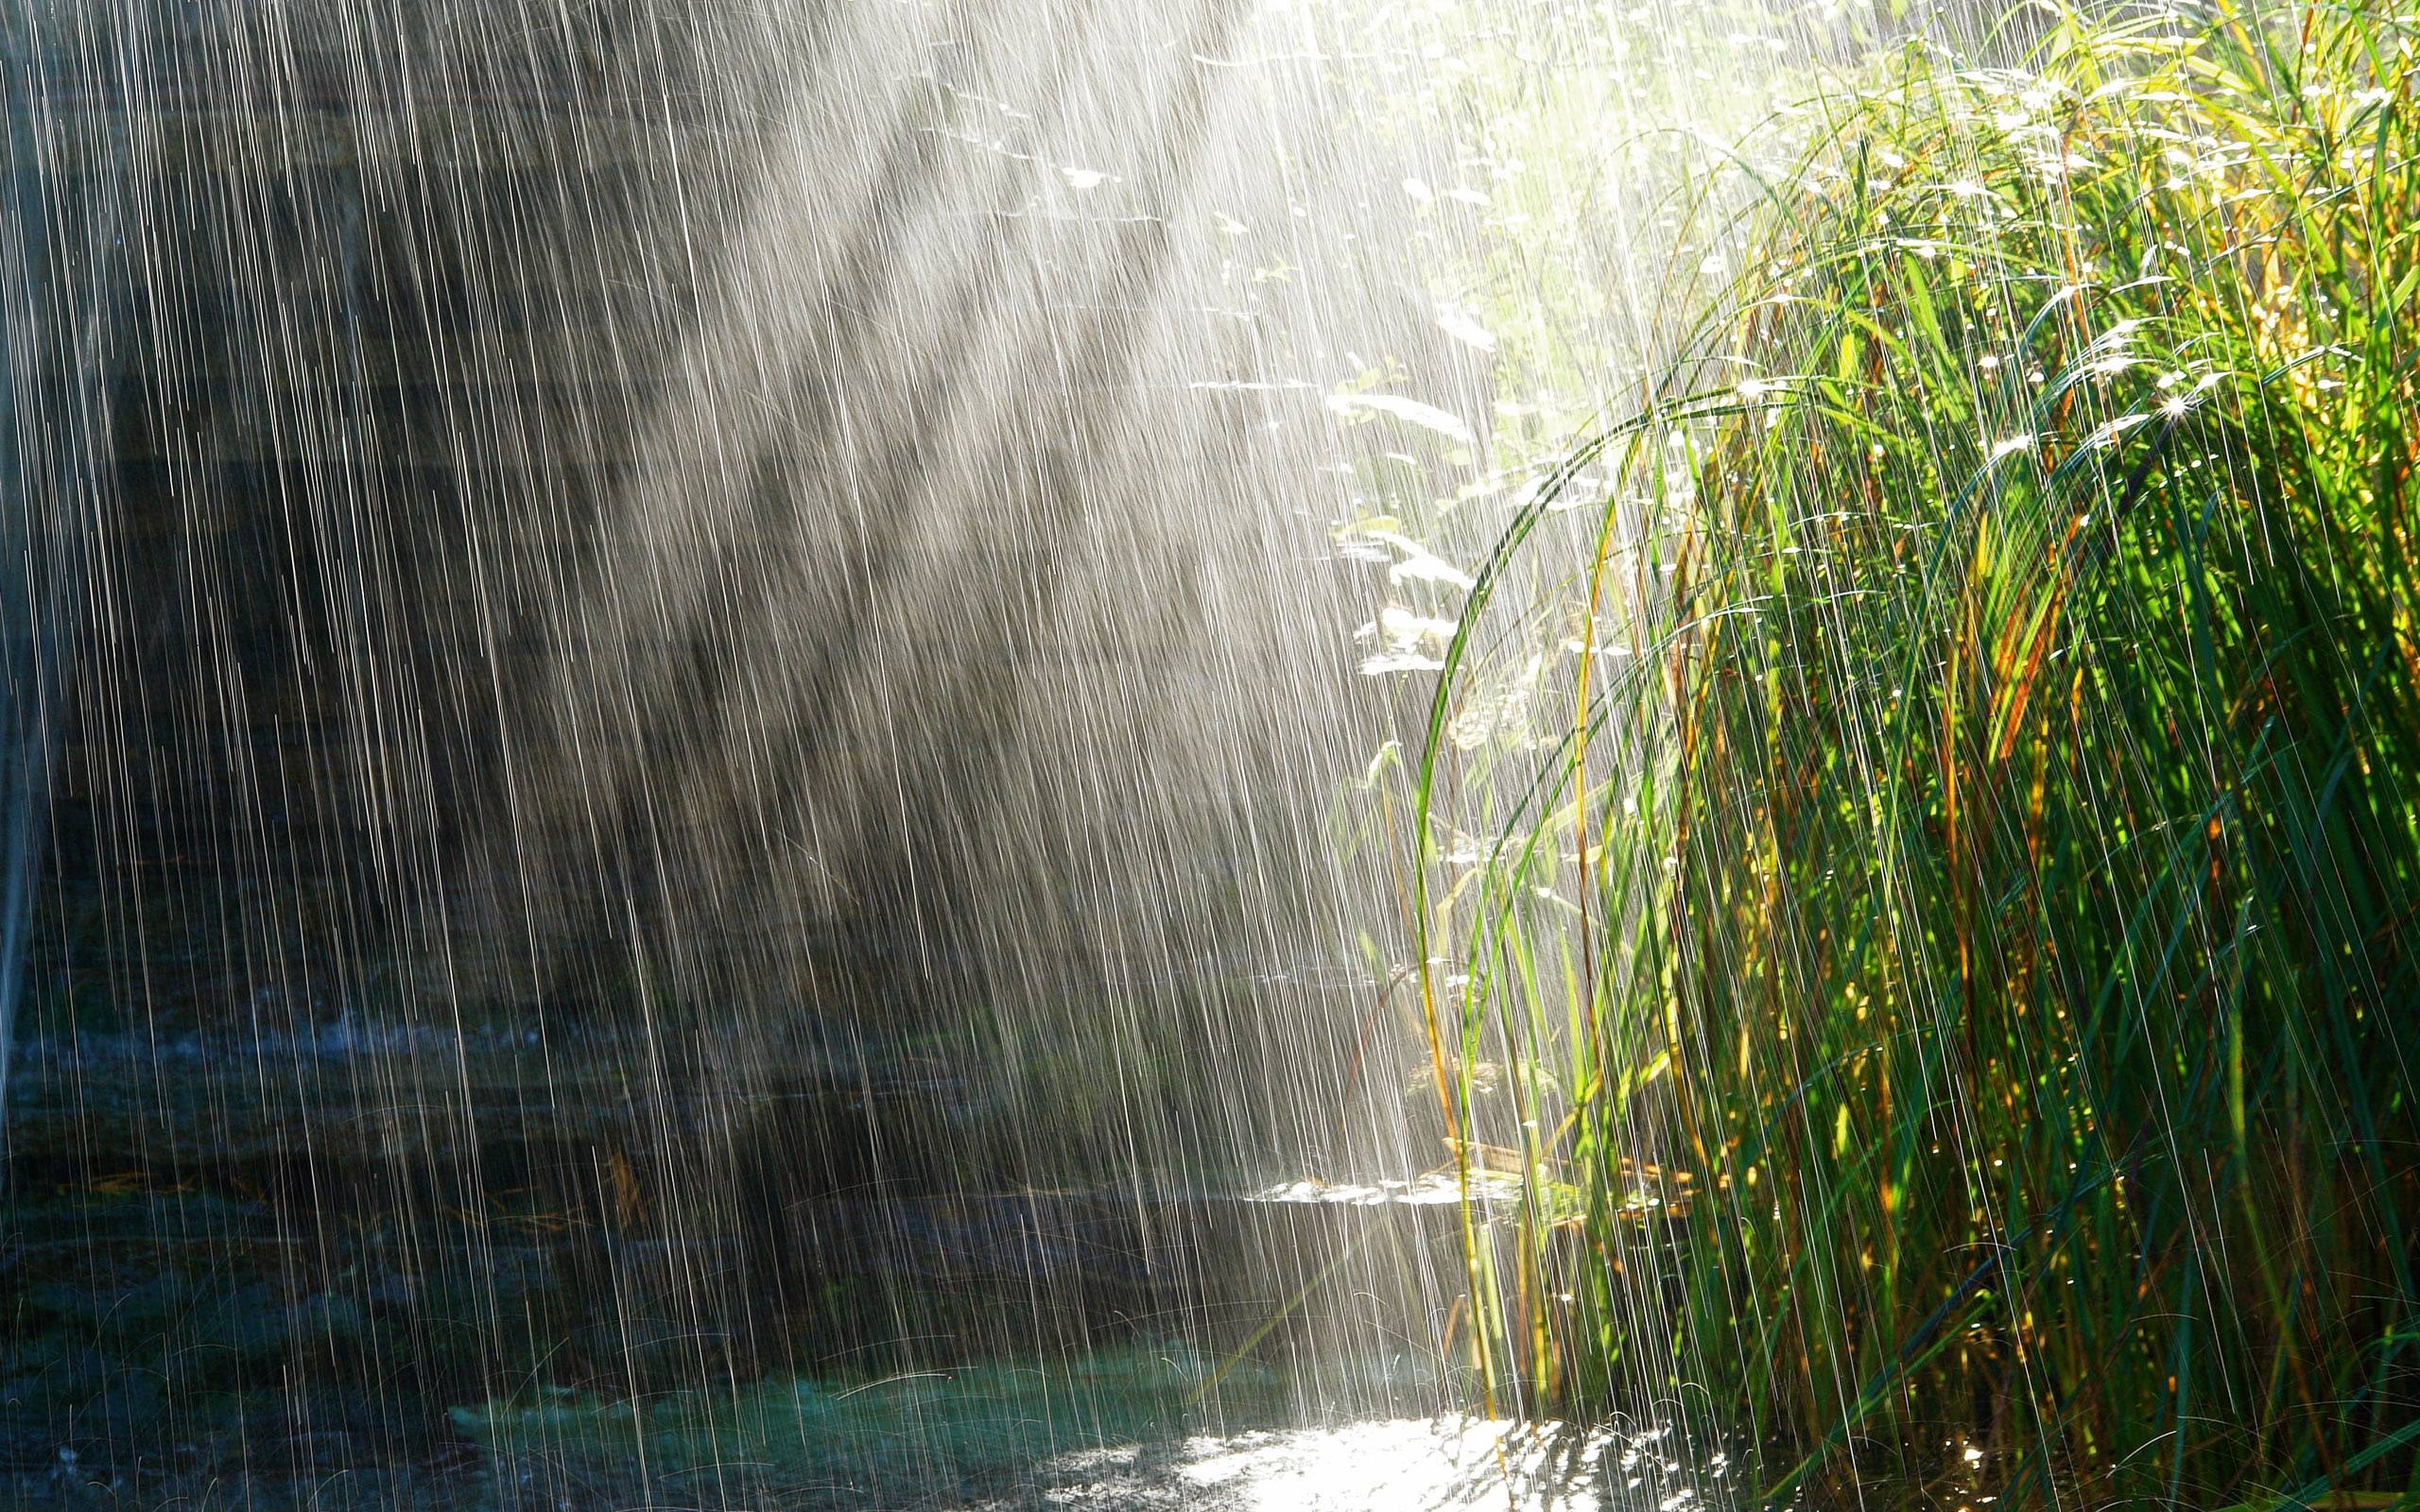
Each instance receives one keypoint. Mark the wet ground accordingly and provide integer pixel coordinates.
(1119, 1430)
(340, 1272)
(358, 1397)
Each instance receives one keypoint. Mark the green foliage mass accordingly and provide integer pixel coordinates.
(1992, 876)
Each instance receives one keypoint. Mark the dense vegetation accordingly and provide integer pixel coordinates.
(1971, 890)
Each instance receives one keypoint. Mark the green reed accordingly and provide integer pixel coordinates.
(1958, 970)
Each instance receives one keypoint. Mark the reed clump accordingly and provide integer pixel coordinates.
(1983, 846)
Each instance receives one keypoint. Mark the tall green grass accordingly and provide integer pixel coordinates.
(1960, 968)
